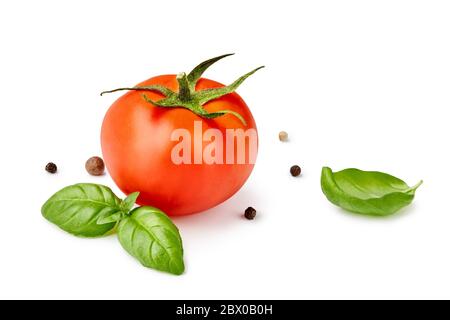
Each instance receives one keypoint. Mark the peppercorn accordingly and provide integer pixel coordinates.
(295, 171)
(283, 136)
(250, 213)
(51, 167)
(95, 166)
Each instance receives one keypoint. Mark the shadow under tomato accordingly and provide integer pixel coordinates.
(221, 217)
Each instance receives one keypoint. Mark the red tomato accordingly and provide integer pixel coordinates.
(137, 146)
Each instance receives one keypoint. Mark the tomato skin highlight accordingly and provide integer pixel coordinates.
(136, 145)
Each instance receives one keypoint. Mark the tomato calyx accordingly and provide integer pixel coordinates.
(187, 97)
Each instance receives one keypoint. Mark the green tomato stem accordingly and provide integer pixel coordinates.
(184, 93)
(187, 97)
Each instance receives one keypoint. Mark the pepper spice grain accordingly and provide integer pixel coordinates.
(95, 166)
(295, 171)
(250, 213)
(51, 167)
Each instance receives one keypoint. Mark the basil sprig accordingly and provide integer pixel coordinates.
(366, 192)
(92, 210)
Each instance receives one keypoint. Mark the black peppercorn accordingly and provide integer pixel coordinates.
(95, 166)
(250, 213)
(295, 171)
(51, 167)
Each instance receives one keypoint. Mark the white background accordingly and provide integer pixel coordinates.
(355, 83)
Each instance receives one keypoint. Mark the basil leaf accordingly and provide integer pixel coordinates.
(77, 208)
(128, 202)
(152, 238)
(366, 192)
(108, 218)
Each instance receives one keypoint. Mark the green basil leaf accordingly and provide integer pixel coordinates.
(366, 192)
(109, 218)
(77, 208)
(152, 238)
(128, 202)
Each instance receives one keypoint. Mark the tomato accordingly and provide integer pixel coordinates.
(137, 144)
